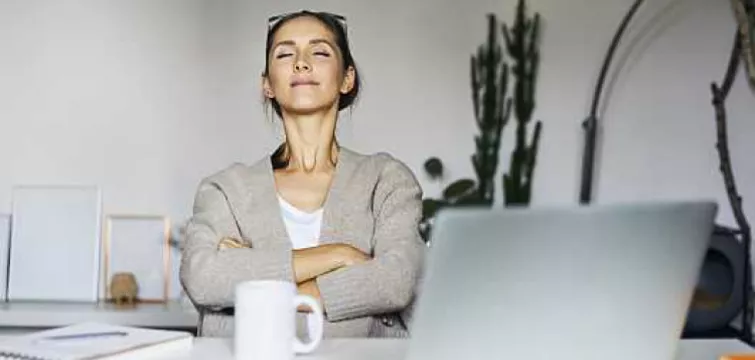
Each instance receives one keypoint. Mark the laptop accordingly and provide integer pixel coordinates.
(570, 283)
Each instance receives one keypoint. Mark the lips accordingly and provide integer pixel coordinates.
(303, 82)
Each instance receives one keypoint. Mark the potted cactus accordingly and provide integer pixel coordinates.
(493, 106)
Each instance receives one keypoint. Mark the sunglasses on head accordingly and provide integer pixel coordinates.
(271, 21)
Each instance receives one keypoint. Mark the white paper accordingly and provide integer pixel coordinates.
(122, 340)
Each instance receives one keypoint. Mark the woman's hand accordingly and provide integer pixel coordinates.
(312, 262)
(341, 254)
(310, 288)
(350, 255)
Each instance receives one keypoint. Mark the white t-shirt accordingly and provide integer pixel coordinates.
(303, 227)
(304, 230)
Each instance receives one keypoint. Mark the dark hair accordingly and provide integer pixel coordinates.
(334, 24)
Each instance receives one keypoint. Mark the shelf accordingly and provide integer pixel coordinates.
(31, 314)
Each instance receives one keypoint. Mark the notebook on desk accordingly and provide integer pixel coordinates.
(90, 341)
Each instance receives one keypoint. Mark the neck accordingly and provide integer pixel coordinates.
(310, 141)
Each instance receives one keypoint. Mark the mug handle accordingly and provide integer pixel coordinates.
(316, 338)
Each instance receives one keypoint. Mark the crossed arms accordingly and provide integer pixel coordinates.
(348, 284)
(312, 262)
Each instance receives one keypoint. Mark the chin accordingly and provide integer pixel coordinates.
(307, 106)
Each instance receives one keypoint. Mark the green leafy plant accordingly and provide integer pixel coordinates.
(489, 75)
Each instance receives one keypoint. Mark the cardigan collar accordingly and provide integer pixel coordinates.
(263, 208)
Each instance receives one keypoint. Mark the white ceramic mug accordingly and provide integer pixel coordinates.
(265, 321)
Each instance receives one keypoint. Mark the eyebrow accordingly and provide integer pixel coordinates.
(311, 42)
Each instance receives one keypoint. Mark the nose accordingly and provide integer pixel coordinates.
(301, 65)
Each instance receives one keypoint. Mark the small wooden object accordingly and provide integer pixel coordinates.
(123, 288)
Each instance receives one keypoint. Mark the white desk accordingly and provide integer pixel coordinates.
(21, 317)
(393, 349)
(330, 349)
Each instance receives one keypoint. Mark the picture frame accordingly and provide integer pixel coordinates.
(4, 254)
(139, 244)
(58, 226)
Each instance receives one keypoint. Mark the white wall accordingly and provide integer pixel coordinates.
(662, 98)
(146, 97)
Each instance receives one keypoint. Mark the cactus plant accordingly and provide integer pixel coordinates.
(489, 75)
(522, 43)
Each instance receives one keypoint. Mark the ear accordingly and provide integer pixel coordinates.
(267, 90)
(348, 80)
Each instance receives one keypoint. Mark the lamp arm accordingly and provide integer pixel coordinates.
(590, 125)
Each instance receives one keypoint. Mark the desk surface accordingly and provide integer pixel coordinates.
(381, 349)
(46, 314)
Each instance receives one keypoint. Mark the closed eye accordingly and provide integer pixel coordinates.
(322, 53)
(281, 56)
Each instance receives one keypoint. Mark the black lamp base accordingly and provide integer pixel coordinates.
(723, 333)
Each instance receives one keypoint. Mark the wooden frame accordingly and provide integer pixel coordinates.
(153, 232)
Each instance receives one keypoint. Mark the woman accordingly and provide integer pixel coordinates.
(342, 225)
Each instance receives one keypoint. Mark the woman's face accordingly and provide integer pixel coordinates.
(305, 71)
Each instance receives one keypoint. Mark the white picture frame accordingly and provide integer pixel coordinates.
(177, 292)
(55, 243)
(139, 244)
(4, 255)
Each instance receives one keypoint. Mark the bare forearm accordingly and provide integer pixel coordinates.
(312, 262)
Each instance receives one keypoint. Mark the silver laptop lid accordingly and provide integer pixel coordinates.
(596, 282)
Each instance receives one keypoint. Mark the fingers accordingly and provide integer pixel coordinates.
(230, 243)
(355, 256)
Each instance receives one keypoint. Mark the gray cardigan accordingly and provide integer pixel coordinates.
(374, 204)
